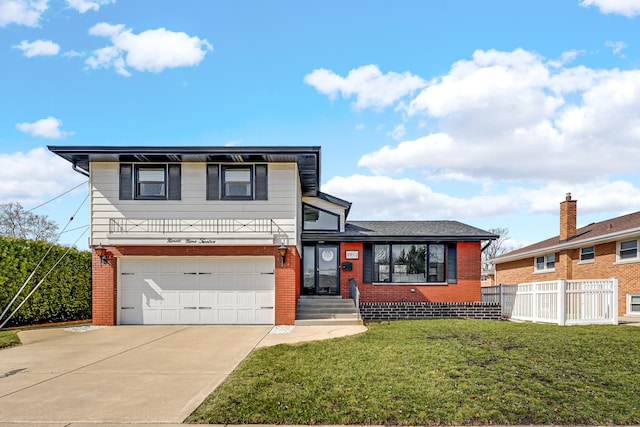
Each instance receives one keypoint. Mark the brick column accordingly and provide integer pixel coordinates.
(287, 286)
(104, 290)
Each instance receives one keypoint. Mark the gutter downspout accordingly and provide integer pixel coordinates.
(74, 166)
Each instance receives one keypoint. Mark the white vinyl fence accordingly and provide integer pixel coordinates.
(564, 302)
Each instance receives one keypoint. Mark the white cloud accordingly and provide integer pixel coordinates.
(371, 88)
(398, 132)
(508, 83)
(359, 126)
(616, 47)
(38, 48)
(83, 6)
(151, 50)
(72, 54)
(22, 12)
(412, 200)
(44, 128)
(32, 177)
(628, 8)
(512, 115)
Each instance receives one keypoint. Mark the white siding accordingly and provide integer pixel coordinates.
(282, 205)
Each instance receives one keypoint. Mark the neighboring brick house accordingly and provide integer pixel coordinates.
(600, 250)
(235, 235)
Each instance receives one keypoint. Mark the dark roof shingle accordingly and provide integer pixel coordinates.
(406, 230)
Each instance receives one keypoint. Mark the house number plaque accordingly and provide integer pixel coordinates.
(351, 254)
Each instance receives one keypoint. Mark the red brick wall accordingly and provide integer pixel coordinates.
(604, 267)
(103, 290)
(466, 290)
(287, 287)
(104, 278)
(356, 272)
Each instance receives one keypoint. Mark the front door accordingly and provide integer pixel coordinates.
(320, 270)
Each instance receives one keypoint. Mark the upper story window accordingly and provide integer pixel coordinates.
(142, 181)
(237, 182)
(587, 254)
(318, 219)
(151, 182)
(545, 263)
(628, 250)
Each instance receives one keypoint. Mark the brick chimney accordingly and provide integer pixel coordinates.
(568, 212)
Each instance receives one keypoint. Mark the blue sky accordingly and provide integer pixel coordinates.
(483, 112)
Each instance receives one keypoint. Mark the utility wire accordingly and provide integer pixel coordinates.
(57, 197)
(42, 280)
(74, 229)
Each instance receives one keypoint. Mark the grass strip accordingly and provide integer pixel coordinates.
(439, 372)
(8, 339)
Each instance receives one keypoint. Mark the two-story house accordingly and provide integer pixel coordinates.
(234, 235)
(600, 250)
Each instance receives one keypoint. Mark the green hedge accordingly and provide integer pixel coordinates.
(63, 296)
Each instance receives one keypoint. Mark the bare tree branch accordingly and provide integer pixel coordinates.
(16, 222)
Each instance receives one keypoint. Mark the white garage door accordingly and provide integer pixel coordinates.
(197, 290)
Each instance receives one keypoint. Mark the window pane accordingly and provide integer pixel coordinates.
(587, 253)
(540, 263)
(234, 189)
(408, 263)
(436, 263)
(316, 219)
(629, 244)
(629, 249)
(238, 175)
(151, 189)
(381, 263)
(551, 261)
(151, 175)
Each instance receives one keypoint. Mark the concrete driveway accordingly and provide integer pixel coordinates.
(118, 374)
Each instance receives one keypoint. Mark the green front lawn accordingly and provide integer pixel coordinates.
(440, 372)
(8, 339)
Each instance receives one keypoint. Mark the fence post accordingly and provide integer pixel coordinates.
(614, 300)
(562, 302)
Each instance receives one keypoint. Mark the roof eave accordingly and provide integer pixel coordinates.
(573, 244)
(387, 238)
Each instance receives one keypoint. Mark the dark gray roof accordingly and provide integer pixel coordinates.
(307, 158)
(406, 230)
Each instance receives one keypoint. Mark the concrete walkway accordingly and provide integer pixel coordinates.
(128, 374)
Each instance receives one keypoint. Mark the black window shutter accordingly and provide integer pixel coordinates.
(213, 182)
(367, 263)
(261, 182)
(452, 263)
(174, 185)
(126, 181)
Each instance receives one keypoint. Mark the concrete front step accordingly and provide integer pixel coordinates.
(334, 310)
(329, 303)
(327, 322)
(324, 315)
(307, 297)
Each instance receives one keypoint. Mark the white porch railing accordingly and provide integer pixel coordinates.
(205, 225)
(567, 302)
